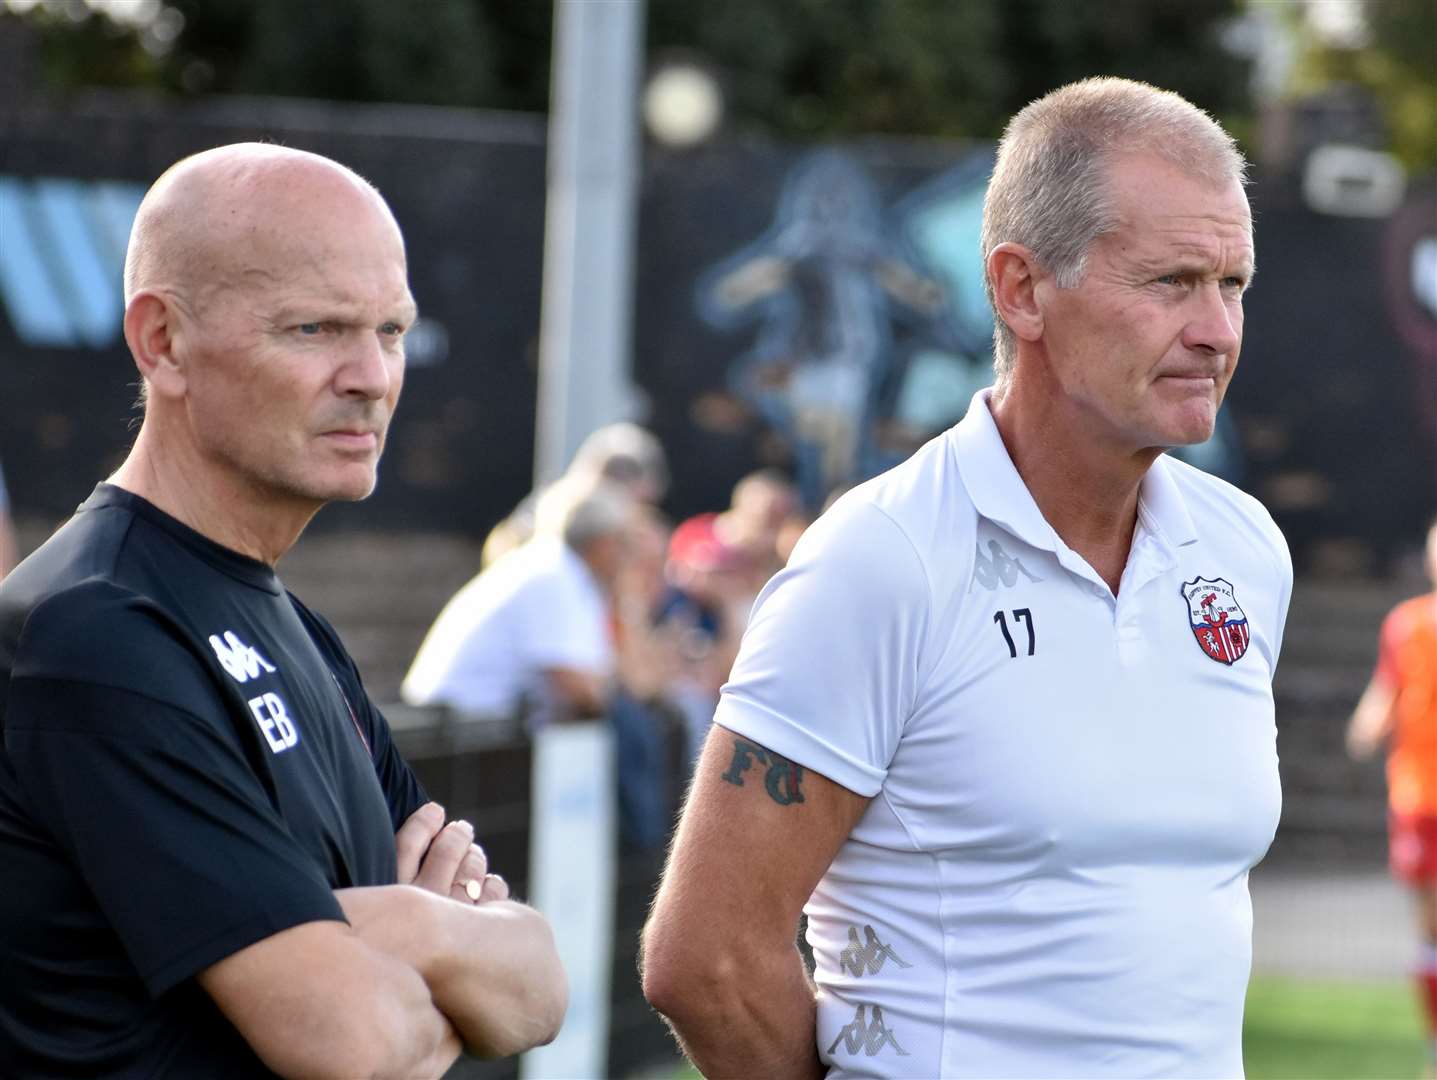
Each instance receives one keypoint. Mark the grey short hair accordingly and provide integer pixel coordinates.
(582, 509)
(1049, 189)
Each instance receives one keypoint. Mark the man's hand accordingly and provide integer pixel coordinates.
(1373, 719)
(444, 858)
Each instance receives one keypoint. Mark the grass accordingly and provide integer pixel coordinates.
(1321, 1031)
(1343, 1031)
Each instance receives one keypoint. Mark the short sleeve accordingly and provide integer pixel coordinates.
(828, 671)
(155, 803)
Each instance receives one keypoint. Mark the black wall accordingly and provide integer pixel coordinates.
(1334, 406)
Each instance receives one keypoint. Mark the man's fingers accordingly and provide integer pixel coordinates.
(494, 888)
(414, 837)
(447, 852)
(475, 864)
(480, 890)
(469, 877)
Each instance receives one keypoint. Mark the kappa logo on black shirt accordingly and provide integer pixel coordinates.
(243, 662)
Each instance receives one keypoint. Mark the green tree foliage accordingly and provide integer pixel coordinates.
(942, 67)
(438, 51)
(1397, 66)
(808, 68)
(1400, 68)
(827, 67)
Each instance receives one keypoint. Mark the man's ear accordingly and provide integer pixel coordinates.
(150, 325)
(1013, 273)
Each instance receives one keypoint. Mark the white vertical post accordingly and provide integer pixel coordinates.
(589, 229)
(572, 878)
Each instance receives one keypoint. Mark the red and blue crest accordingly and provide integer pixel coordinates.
(1218, 622)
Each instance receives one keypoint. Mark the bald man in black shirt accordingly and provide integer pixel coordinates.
(216, 862)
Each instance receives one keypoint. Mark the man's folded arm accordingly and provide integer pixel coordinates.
(399, 990)
(491, 969)
(317, 1001)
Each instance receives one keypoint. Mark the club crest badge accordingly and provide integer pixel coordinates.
(1218, 622)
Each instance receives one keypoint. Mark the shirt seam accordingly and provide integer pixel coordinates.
(922, 680)
(11, 725)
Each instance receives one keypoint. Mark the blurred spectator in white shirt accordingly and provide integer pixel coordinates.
(531, 635)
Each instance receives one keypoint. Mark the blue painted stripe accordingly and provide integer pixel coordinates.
(91, 288)
(31, 300)
(112, 205)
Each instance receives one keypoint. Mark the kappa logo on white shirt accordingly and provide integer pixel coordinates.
(243, 662)
(999, 568)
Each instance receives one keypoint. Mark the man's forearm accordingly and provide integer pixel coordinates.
(758, 1021)
(492, 970)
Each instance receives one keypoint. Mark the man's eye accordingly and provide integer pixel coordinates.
(310, 329)
(1169, 279)
(392, 329)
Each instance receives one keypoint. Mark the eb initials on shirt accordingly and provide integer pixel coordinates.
(273, 719)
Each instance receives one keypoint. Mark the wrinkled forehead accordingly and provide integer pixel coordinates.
(1158, 206)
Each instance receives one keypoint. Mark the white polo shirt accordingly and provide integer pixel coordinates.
(1068, 788)
(539, 607)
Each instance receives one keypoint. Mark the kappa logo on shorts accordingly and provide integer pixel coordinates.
(869, 1034)
(869, 955)
(1217, 621)
(243, 662)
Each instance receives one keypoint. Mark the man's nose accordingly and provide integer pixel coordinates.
(1215, 322)
(369, 368)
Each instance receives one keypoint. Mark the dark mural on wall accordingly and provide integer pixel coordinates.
(818, 310)
(825, 284)
(872, 327)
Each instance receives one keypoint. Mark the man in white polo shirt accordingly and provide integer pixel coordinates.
(530, 636)
(1003, 727)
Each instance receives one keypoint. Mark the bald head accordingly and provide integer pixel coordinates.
(221, 216)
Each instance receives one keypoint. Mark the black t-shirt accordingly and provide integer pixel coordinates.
(190, 765)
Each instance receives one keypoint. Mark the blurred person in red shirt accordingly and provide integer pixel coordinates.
(1400, 706)
(705, 609)
(645, 719)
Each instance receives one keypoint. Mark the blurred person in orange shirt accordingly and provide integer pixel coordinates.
(1400, 705)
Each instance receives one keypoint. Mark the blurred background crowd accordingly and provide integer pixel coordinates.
(598, 463)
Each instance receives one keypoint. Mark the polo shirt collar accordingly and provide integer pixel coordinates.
(999, 494)
(992, 480)
(1161, 506)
